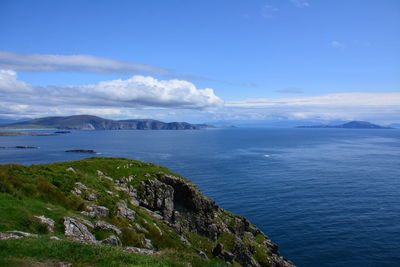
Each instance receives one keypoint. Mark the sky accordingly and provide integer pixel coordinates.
(201, 61)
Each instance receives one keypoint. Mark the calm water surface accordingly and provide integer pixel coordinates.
(327, 197)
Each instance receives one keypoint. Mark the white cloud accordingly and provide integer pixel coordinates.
(384, 107)
(137, 91)
(337, 44)
(329, 100)
(75, 63)
(10, 84)
(300, 3)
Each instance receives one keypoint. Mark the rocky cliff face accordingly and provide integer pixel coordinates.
(183, 207)
(138, 207)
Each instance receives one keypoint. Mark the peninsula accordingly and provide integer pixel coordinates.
(89, 122)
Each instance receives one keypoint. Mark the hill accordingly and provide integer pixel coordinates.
(89, 122)
(119, 212)
(349, 125)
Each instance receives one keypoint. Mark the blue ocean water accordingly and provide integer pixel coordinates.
(327, 197)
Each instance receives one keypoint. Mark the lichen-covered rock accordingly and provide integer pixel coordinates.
(96, 211)
(77, 231)
(91, 197)
(107, 226)
(48, 222)
(123, 211)
(112, 240)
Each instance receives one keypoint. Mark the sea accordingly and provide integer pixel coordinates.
(327, 197)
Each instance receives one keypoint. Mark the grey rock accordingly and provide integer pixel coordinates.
(157, 196)
(107, 226)
(55, 238)
(124, 211)
(24, 234)
(81, 186)
(91, 197)
(203, 255)
(6, 236)
(76, 192)
(77, 231)
(148, 244)
(112, 240)
(48, 222)
(139, 250)
(96, 211)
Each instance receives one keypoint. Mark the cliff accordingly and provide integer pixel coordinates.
(120, 212)
(88, 122)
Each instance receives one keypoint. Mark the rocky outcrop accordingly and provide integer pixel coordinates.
(77, 231)
(182, 206)
(96, 211)
(123, 211)
(107, 226)
(48, 222)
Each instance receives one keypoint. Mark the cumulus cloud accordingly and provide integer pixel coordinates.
(300, 3)
(10, 84)
(137, 91)
(80, 63)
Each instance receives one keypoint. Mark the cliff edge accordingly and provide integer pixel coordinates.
(123, 212)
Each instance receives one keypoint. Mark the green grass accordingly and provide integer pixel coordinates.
(29, 191)
(16, 252)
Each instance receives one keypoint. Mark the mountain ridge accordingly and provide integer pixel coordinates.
(350, 125)
(90, 122)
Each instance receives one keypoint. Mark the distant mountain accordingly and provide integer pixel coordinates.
(88, 122)
(395, 125)
(350, 125)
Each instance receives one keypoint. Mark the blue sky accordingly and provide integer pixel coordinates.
(297, 59)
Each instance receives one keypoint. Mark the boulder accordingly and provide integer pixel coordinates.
(96, 211)
(77, 231)
(123, 211)
(107, 226)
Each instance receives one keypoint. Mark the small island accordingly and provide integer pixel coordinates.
(90, 151)
(350, 125)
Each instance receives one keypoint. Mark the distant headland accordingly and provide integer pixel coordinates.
(349, 125)
(89, 122)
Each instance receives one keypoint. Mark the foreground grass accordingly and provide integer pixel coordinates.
(44, 252)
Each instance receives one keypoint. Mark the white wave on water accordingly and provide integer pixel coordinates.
(267, 156)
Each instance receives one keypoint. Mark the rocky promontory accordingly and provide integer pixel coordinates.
(133, 207)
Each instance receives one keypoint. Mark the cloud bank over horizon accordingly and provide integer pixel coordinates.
(147, 97)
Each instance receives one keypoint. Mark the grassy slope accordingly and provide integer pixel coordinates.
(26, 191)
